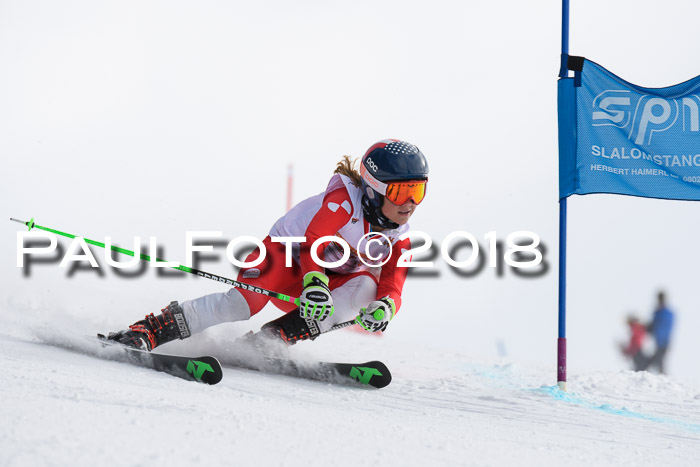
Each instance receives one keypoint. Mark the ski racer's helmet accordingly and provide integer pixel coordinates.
(393, 169)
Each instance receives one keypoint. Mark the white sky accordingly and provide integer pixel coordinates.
(154, 118)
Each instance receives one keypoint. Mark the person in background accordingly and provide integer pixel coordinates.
(660, 327)
(633, 349)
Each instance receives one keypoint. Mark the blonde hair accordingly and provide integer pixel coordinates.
(346, 167)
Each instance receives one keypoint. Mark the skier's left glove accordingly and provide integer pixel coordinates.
(316, 301)
(377, 315)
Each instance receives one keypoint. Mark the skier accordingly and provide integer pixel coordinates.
(369, 210)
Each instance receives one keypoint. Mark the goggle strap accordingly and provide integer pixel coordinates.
(372, 181)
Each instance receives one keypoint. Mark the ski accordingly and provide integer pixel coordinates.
(204, 369)
(374, 374)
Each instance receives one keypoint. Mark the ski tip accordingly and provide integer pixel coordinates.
(384, 379)
(205, 369)
(213, 372)
(374, 374)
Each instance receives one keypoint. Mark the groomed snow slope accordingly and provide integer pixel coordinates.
(63, 407)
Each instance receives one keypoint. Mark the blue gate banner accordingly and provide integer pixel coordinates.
(615, 137)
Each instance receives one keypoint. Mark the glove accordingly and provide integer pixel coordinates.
(316, 301)
(377, 315)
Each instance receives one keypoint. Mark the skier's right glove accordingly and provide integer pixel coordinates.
(377, 315)
(316, 301)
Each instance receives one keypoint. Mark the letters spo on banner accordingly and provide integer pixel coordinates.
(615, 137)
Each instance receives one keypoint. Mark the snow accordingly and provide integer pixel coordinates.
(61, 406)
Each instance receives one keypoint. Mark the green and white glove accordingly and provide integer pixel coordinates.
(377, 315)
(316, 301)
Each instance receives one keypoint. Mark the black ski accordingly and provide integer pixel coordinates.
(201, 369)
(374, 374)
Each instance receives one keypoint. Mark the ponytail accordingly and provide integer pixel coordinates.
(346, 167)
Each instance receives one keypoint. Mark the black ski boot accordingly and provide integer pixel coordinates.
(153, 331)
(291, 328)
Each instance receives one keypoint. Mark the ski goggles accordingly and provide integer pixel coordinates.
(397, 192)
(400, 192)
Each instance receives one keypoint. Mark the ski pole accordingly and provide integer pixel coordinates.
(344, 324)
(197, 272)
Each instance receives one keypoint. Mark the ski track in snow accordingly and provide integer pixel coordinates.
(61, 405)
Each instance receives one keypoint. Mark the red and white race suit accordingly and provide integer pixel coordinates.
(369, 273)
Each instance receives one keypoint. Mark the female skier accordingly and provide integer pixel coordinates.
(368, 210)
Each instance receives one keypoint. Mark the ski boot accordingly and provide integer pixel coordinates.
(291, 328)
(277, 335)
(153, 331)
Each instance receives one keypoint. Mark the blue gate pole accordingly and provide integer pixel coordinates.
(561, 340)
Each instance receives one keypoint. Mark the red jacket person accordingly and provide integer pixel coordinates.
(368, 210)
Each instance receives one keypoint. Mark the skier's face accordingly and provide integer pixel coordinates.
(398, 213)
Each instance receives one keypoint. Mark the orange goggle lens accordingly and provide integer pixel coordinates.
(400, 192)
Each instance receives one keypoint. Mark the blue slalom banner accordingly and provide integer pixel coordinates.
(616, 137)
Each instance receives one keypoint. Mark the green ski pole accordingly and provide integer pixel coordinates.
(224, 280)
